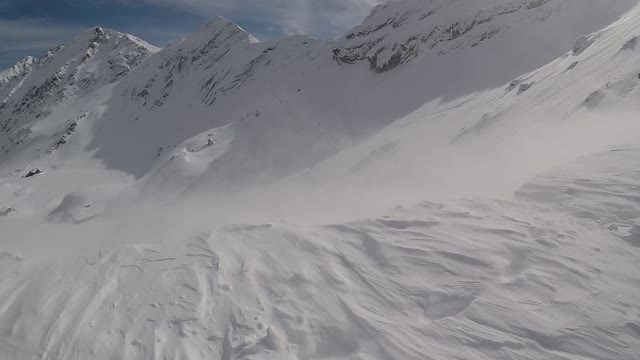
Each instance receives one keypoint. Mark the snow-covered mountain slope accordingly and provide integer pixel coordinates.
(16, 73)
(472, 202)
(34, 90)
(584, 101)
(533, 278)
(394, 34)
(275, 95)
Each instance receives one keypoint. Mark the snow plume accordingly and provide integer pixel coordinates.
(380, 175)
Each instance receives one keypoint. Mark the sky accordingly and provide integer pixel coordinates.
(30, 27)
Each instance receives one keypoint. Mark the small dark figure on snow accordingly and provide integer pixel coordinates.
(31, 173)
(7, 211)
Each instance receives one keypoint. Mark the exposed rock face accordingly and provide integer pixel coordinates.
(19, 70)
(394, 34)
(219, 52)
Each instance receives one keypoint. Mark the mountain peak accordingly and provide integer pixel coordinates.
(93, 36)
(220, 22)
(97, 33)
(222, 29)
(94, 58)
(20, 68)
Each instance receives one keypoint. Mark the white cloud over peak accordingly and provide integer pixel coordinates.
(314, 17)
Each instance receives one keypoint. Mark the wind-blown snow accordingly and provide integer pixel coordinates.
(224, 198)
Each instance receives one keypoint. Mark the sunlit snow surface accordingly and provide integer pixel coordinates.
(501, 223)
(552, 274)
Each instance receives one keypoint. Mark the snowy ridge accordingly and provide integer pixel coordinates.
(70, 68)
(274, 93)
(19, 69)
(397, 33)
(12, 78)
(216, 42)
(95, 58)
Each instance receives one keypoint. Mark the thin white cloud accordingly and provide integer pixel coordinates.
(315, 17)
(19, 38)
(31, 28)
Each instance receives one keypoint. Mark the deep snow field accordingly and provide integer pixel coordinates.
(449, 180)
